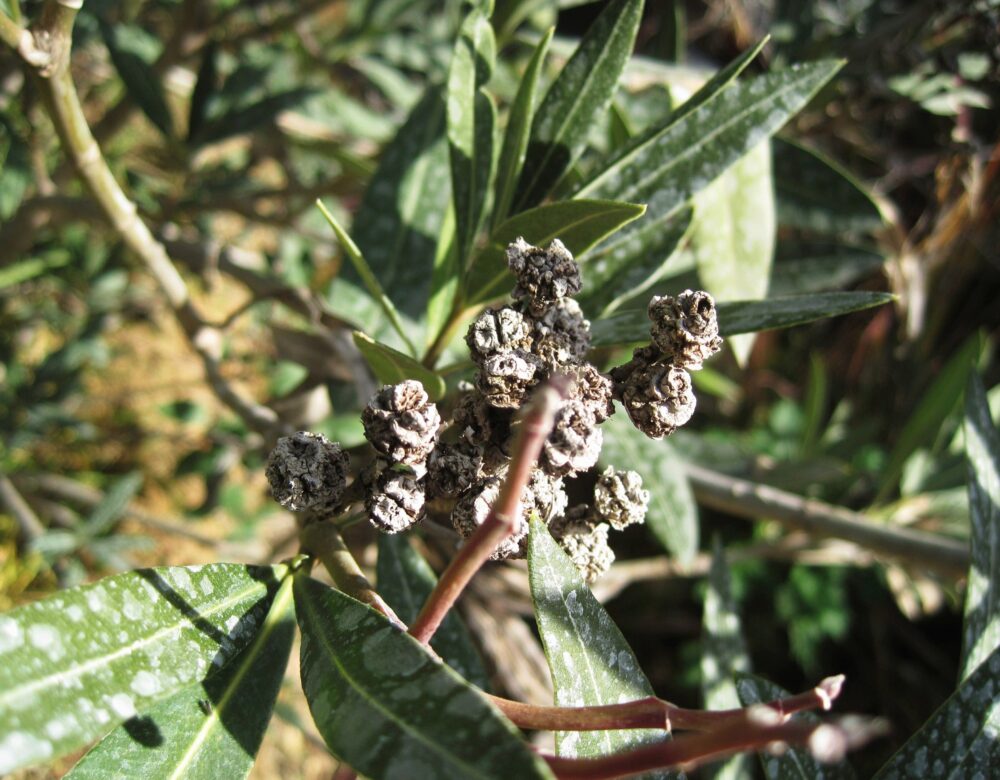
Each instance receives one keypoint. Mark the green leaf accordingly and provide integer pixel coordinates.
(113, 506)
(387, 708)
(733, 234)
(631, 326)
(515, 140)
(959, 740)
(391, 366)
(204, 88)
(981, 633)
(793, 762)
(244, 119)
(668, 166)
(29, 269)
(15, 179)
(368, 277)
(590, 661)
(673, 514)
(815, 193)
(576, 100)
(819, 266)
(74, 665)
(141, 81)
(937, 403)
(471, 124)
(610, 278)
(400, 219)
(723, 655)
(209, 730)
(405, 580)
(579, 224)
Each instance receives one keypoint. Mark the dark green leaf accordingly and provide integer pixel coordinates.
(723, 655)
(667, 166)
(113, 506)
(579, 224)
(960, 739)
(387, 708)
(793, 762)
(400, 219)
(28, 269)
(981, 633)
(733, 234)
(141, 81)
(631, 326)
(15, 178)
(204, 88)
(391, 366)
(210, 730)
(673, 514)
(815, 193)
(515, 140)
(74, 665)
(612, 277)
(937, 403)
(818, 266)
(471, 125)
(244, 119)
(576, 100)
(405, 580)
(590, 661)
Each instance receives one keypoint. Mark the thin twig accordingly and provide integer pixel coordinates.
(27, 521)
(500, 523)
(743, 498)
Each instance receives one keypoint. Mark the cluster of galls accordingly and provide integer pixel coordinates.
(457, 466)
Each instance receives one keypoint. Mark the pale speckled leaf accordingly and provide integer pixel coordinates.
(471, 122)
(209, 730)
(405, 580)
(578, 98)
(613, 277)
(683, 157)
(673, 514)
(388, 708)
(391, 366)
(74, 665)
(794, 763)
(590, 661)
(981, 633)
(515, 139)
(579, 224)
(631, 326)
(723, 655)
(400, 218)
(961, 740)
(733, 234)
(815, 193)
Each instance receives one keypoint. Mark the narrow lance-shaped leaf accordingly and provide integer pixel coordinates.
(74, 665)
(367, 276)
(733, 235)
(141, 81)
(960, 739)
(471, 124)
(387, 708)
(981, 633)
(391, 366)
(815, 193)
(515, 139)
(809, 266)
(576, 100)
(405, 580)
(793, 762)
(723, 655)
(670, 165)
(590, 661)
(400, 218)
(631, 326)
(208, 730)
(673, 514)
(113, 506)
(579, 224)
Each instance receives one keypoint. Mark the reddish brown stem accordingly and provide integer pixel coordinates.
(648, 713)
(536, 423)
(826, 742)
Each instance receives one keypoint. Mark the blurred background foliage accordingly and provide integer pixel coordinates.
(226, 120)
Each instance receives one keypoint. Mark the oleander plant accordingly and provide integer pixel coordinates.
(449, 473)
